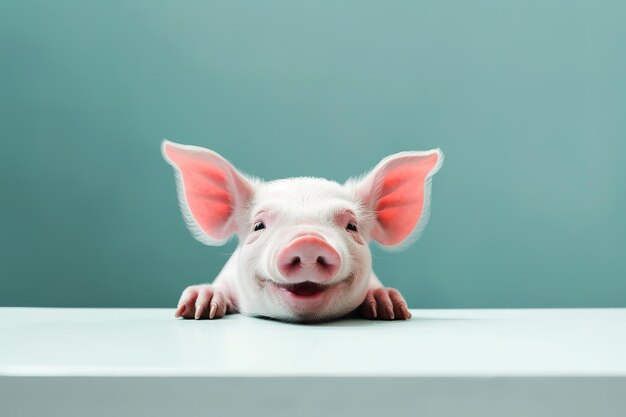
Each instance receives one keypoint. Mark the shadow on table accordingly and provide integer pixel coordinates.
(355, 320)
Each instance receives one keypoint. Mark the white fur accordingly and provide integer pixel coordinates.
(293, 206)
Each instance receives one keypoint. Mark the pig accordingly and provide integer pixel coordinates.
(303, 243)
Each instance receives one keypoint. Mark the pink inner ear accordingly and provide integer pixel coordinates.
(401, 200)
(208, 181)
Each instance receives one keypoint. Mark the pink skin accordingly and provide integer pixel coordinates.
(308, 263)
(308, 258)
(303, 253)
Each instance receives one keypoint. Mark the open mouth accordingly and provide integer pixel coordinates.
(301, 290)
(304, 289)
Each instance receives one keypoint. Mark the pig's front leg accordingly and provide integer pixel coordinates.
(204, 301)
(383, 303)
(210, 301)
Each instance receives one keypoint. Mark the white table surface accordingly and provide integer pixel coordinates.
(504, 358)
(151, 342)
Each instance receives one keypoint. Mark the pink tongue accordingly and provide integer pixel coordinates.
(305, 288)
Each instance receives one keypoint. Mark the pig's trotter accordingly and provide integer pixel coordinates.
(384, 304)
(203, 302)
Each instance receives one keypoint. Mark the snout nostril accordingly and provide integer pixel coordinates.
(308, 258)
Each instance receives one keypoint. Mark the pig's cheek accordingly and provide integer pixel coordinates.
(253, 237)
(259, 253)
(361, 261)
(254, 252)
(269, 302)
(357, 238)
(253, 266)
(247, 266)
(356, 293)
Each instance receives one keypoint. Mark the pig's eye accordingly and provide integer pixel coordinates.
(351, 226)
(259, 226)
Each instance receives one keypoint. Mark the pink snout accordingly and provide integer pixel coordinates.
(308, 258)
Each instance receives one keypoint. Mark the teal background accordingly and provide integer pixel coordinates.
(526, 98)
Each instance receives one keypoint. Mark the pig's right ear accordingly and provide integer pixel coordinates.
(211, 191)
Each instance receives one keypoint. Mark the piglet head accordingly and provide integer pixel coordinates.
(303, 251)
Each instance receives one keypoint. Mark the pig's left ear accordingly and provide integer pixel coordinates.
(211, 192)
(397, 191)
